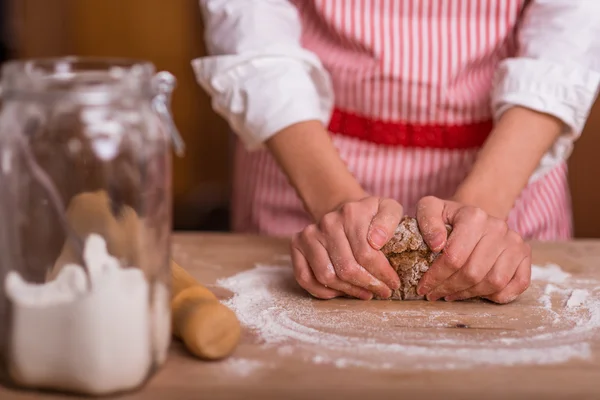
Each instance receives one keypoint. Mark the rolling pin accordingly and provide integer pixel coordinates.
(208, 328)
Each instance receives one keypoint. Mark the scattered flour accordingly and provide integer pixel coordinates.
(242, 367)
(561, 321)
(577, 298)
(549, 273)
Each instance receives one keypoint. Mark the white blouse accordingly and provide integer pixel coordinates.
(262, 76)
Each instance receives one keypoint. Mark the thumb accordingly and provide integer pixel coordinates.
(384, 223)
(432, 216)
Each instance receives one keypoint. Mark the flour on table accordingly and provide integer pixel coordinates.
(563, 317)
(242, 367)
(577, 298)
(549, 273)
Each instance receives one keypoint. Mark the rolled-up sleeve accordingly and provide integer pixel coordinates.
(258, 75)
(557, 68)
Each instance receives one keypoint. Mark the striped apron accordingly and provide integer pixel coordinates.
(412, 82)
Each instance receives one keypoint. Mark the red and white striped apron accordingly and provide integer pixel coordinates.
(412, 82)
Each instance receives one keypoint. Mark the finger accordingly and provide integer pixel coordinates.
(309, 244)
(430, 217)
(340, 253)
(496, 279)
(307, 280)
(374, 261)
(480, 262)
(468, 228)
(384, 223)
(518, 284)
(323, 270)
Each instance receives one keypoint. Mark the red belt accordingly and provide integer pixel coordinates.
(409, 135)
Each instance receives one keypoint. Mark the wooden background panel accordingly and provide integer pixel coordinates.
(168, 33)
(584, 176)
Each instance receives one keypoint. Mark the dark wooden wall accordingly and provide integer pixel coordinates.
(168, 33)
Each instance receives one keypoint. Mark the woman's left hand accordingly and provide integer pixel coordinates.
(481, 257)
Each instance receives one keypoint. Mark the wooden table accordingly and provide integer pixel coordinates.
(291, 376)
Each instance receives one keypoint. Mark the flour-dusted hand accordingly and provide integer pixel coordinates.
(340, 254)
(482, 257)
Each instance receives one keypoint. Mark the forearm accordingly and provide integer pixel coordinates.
(508, 159)
(313, 166)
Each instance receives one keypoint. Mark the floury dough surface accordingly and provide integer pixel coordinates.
(410, 256)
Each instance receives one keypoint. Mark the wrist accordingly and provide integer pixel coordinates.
(334, 199)
(508, 158)
(310, 161)
(486, 197)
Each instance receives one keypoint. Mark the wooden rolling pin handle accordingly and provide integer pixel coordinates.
(208, 329)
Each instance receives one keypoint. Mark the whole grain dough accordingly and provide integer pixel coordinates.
(410, 256)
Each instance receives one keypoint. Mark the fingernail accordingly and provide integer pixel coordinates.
(437, 242)
(367, 296)
(377, 237)
(431, 298)
(448, 298)
(421, 291)
(386, 292)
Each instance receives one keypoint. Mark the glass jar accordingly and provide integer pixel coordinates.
(85, 211)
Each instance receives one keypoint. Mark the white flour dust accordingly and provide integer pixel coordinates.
(562, 316)
(242, 367)
(577, 298)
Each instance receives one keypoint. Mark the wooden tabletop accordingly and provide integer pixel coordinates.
(561, 362)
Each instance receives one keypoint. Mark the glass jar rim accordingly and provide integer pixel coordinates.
(92, 76)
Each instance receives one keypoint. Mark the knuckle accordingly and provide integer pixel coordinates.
(427, 199)
(514, 238)
(523, 281)
(474, 214)
(453, 259)
(307, 234)
(472, 276)
(496, 225)
(423, 203)
(386, 222)
(497, 281)
(328, 223)
(326, 276)
(348, 210)
(302, 277)
(365, 255)
(346, 272)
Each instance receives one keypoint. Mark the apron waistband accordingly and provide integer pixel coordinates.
(404, 134)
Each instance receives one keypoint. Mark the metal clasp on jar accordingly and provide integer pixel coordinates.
(164, 83)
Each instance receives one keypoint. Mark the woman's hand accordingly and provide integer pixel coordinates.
(482, 257)
(340, 255)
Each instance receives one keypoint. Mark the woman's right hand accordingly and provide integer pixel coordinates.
(340, 255)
